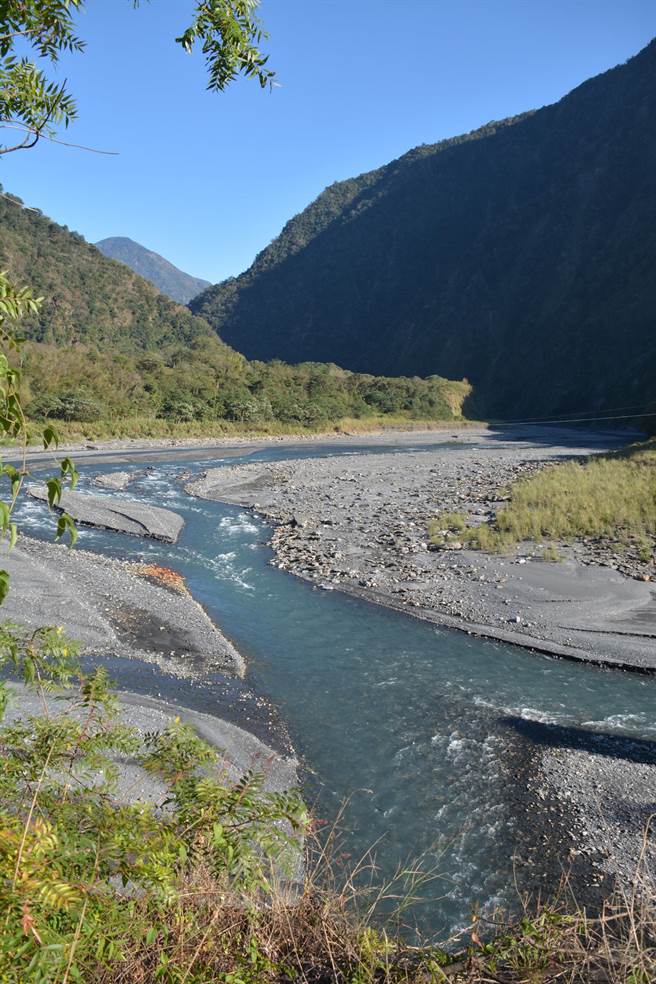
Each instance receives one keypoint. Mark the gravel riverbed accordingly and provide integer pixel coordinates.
(359, 524)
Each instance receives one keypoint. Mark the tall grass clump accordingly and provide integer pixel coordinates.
(611, 496)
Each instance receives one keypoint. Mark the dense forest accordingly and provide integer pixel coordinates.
(521, 255)
(168, 279)
(107, 346)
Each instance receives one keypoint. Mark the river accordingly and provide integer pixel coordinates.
(411, 724)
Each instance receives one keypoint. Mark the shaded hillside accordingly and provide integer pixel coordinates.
(107, 346)
(176, 284)
(522, 256)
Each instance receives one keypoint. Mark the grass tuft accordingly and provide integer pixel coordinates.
(608, 497)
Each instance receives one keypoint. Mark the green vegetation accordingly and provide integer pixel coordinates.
(194, 886)
(480, 257)
(203, 382)
(106, 349)
(611, 497)
(168, 279)
(87, 298)
(227, 31)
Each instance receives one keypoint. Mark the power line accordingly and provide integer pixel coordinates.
(576, 420)
(569, 413)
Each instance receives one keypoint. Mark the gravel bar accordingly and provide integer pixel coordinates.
(359, 524)
(111, 610)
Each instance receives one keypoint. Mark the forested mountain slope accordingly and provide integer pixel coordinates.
(108, 347)
(522, 256)
(176, 284)
(87, 297)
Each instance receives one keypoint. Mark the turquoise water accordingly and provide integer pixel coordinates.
(416, 726)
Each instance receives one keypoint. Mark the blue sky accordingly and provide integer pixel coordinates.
(208, 180)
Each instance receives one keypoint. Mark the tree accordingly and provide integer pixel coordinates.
(228, 32)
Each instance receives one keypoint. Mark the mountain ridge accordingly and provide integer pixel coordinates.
(513, 255)
(165, 276)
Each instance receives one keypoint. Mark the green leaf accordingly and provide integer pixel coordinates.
(66, 524)
(68, 468)
(4, 585)
(54, 491)
(50, 437)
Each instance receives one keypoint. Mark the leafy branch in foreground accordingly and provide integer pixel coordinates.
(30, 104)
(88, 871)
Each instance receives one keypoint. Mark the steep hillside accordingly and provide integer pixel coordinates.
(176, 284)
(107, 348)
(88, 298)
(522, 256)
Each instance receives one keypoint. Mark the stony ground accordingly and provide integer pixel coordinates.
(608, 788)
(112, 610)
(121, 515)
(360, 524)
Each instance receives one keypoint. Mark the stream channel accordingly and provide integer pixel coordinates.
(414, 725)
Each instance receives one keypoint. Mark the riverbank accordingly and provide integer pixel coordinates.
(141, 624)
(112, 608)
(185, 437)
(361, 525)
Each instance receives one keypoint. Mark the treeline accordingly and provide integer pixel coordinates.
(206, 381)
(106, 346)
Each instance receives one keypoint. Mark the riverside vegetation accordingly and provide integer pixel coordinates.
(99, 321)
(610, 497)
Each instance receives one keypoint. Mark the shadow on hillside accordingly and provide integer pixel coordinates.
(565, 435)
(581, 739)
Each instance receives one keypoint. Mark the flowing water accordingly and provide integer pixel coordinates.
(414, 724)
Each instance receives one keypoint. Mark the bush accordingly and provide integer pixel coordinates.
(85, 879)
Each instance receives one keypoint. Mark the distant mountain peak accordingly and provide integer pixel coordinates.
(176, 284)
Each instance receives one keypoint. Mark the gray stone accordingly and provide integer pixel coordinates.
(121, 515)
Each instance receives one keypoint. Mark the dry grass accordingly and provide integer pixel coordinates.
(611, 496)
(153, 427)
(334, 935)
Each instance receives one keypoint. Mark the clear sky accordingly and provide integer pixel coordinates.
(208, 180)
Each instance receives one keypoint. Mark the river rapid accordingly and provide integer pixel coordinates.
(412, 726)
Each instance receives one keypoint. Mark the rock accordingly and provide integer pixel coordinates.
(121, 515)
(116, 481)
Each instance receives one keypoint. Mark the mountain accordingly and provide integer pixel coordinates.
(108, 347)
(521, 255)
(87, 298)
(179, 286)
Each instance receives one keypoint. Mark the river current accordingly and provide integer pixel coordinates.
(413, 725)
